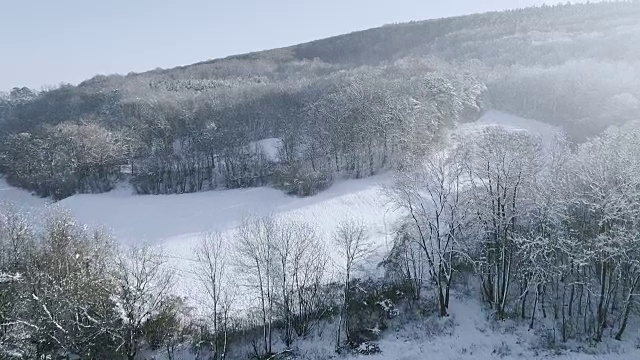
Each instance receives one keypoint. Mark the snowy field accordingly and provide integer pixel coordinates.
(178, 222)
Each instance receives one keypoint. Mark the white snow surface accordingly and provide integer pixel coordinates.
(511, 123)
(270, 147)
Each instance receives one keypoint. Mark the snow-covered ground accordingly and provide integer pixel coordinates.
(178, 222)
(469, 335)
(546, 132)
(270, 147)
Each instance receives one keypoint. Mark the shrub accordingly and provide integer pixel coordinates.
(502, 350)
(294, 179)
(371, 305)
(368, 348)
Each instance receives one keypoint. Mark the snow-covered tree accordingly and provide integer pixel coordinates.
(431, 197)
(502, 169)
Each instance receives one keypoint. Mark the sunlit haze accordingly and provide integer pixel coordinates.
(49, 42)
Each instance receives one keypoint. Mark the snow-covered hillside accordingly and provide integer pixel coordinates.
(178, 222)
(511, 123)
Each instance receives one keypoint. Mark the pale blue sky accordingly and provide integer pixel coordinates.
(47, 42)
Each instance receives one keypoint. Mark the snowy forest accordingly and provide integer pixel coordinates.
(339, 107)
(545, 231)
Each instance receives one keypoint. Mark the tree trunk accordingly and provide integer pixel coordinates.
(627, 309)
(625, 319)
(442, 303)
(535, 305)
(524, 302)
(601, 310)
(571, 296)
(564, 321)
(541, 291)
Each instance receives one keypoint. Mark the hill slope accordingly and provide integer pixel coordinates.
(340, 105)
(178, 223)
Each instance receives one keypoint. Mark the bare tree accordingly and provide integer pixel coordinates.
(255, 242)
(308, 270)
(218, 289)
(144, 290)
(431, 197)
(406, 264)
(299, 273)
(352, 242)
(171, 328)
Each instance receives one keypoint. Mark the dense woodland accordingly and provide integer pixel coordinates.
(346, 106)
(549, 232)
